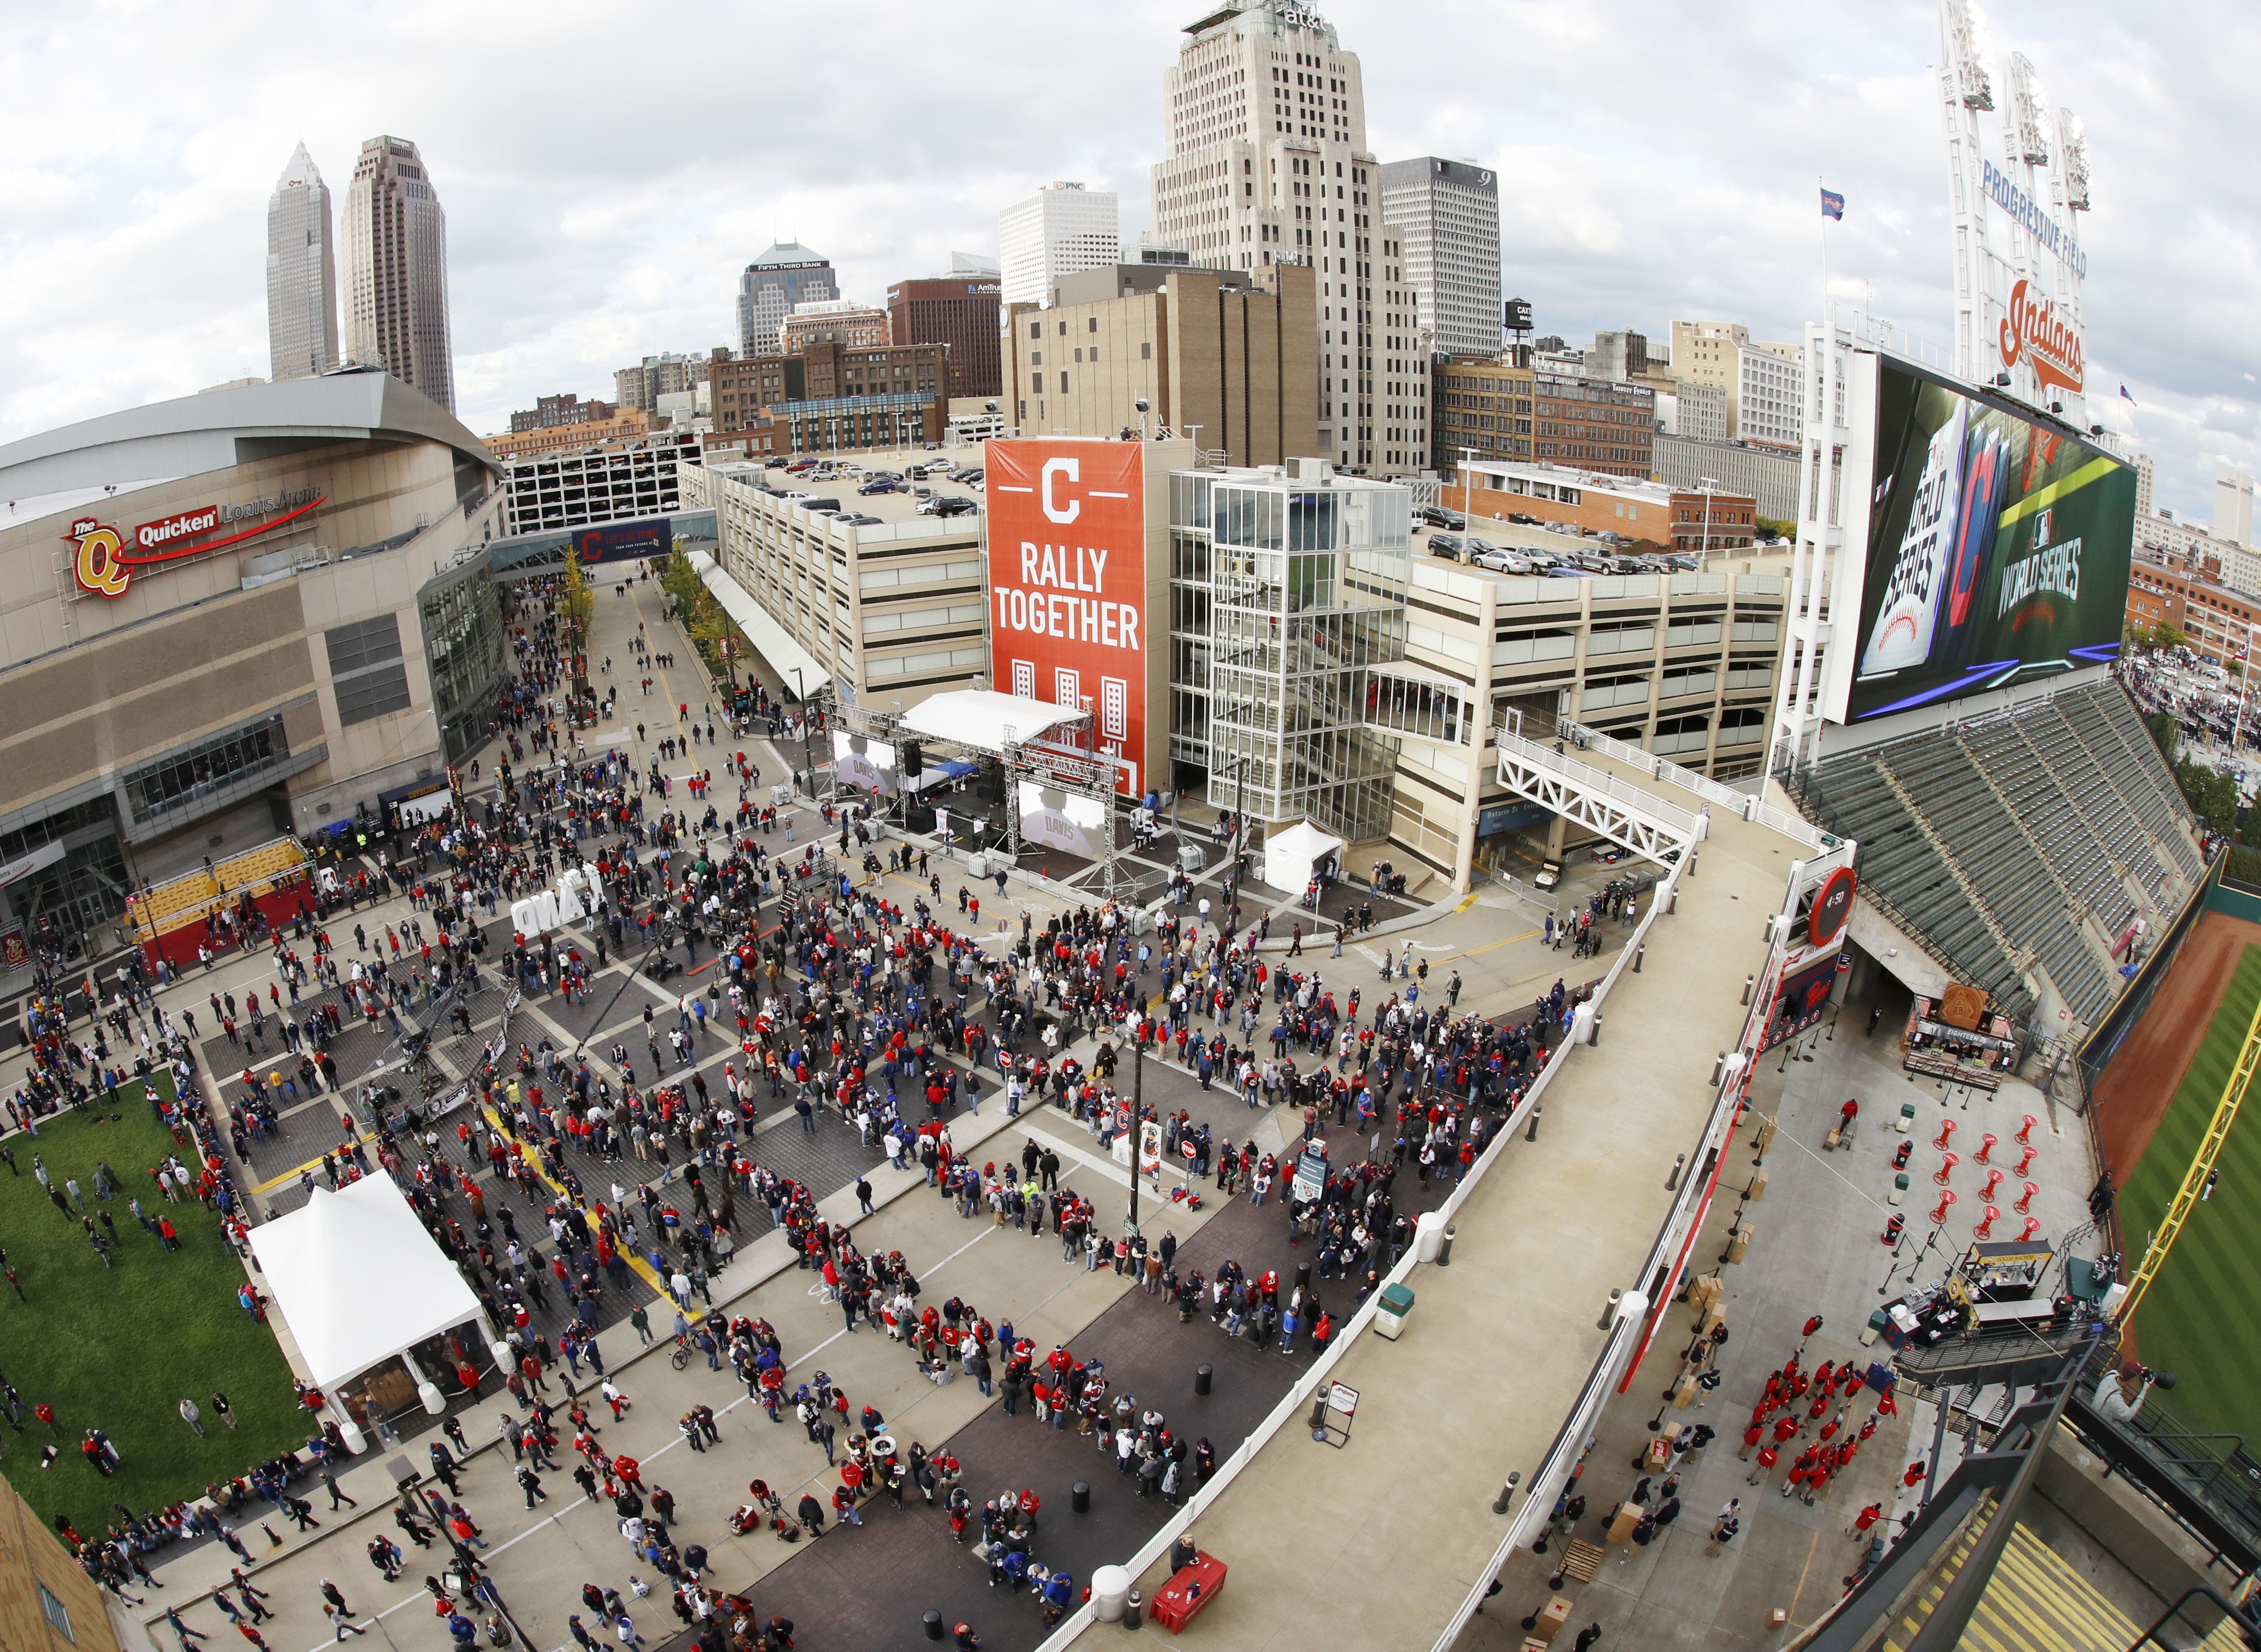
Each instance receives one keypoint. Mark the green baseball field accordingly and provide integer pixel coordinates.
(2201, 1317)
(118, 1347)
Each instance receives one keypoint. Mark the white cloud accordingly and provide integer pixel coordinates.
(605, 177)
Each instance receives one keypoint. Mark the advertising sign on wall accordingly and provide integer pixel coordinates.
(1997, 550)
(1800, 1000)
(1068, 579)
(623, 541)
(104, 560)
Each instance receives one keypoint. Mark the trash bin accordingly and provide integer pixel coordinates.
(1111, 1593)
(1428, 1235)
(1396, 1303)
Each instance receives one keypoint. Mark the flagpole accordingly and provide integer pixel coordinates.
(1827, 322)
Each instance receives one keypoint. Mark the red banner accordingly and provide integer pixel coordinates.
(1067, 584)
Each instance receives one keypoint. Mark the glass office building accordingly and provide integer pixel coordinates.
(1286, 588)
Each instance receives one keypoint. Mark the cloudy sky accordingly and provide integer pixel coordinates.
(607, 171)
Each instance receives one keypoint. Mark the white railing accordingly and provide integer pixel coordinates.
(1586, 777)
(1560, 1457)
(1745, 804)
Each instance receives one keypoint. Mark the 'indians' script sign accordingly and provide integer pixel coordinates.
(2034, 331)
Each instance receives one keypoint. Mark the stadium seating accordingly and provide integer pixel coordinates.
(2020, 845)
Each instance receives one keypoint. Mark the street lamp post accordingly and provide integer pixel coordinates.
(1468, 486)
(808, 752)
(1707, 486)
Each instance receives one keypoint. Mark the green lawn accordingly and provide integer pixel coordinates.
(2201, 1317)
(118, 1348)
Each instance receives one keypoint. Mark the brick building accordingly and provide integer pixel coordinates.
(1595, 425)
(960, 311)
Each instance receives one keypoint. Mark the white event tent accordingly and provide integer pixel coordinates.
(1291, 852)
(359, 1281)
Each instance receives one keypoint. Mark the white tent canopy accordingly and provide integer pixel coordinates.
(1291, 852)
(358, 1279)
(770, 639)
(979, 717)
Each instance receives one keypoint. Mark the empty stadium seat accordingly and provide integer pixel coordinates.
(2036, 834)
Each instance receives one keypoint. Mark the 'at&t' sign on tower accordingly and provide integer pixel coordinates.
(2017, 182)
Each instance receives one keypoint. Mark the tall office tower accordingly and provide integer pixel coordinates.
(788, 274)
(1061, 229)
(397, 270)
(1267, 164)
(302, 273)
(2233, 505)
(1447, 212)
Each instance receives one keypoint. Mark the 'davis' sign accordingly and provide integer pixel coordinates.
(106, 565)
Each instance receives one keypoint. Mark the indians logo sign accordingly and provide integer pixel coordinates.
(106, 562)
(2033, 331)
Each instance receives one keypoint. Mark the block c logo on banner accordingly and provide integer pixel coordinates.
(1072, 469)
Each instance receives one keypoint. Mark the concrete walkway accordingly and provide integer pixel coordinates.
(1499, 1343)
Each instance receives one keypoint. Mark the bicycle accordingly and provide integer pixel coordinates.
(681, 1357)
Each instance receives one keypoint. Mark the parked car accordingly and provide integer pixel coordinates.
(1569, 570)
(1523, 519)
(1502, 562)
(777, 463)
(1450, 547)
(1437, 516)
(883, 485)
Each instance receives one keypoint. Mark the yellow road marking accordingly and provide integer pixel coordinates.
(534, 1159)
(296, 1171)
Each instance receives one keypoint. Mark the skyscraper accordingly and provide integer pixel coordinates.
(1448, 213)
(397, 270)
(302, 273)
(788, 274)
(1267, 164)
(1061, 229)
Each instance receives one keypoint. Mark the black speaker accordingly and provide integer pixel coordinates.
(914, 760)
(917, 817)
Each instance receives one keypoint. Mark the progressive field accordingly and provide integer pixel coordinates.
(2201, 1317)
(119, 1348)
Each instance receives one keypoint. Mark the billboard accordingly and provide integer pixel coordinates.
(867, 764)
(1066, 820)
(1997, 550)
(624, 542)
(1068, 584)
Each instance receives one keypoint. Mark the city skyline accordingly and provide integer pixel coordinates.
(590, 254)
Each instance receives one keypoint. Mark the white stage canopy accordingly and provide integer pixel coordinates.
(770, 639)
(1291, 852)
(359, 1280)
(979, 717)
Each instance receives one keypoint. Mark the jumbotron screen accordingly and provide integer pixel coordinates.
(1997, 550)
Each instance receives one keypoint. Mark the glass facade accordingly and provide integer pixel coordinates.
(192, 774)
(464, 648)
(1284, 593)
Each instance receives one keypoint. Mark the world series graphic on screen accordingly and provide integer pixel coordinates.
(1997, 550)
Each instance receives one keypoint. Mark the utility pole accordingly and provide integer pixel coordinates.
(1137, 1116)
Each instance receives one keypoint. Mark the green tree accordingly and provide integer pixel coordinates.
(2211, 794)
